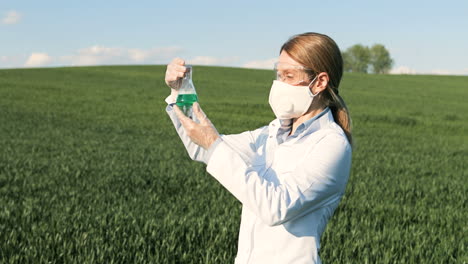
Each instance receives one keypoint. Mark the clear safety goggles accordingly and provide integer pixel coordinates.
(292, 74)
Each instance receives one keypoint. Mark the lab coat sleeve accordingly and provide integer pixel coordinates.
(244, 143)
(195, 152)
(318, 180)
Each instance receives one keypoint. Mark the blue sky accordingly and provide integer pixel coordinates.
(422, 36)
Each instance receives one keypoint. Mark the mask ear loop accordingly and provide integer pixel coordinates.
(310, 91)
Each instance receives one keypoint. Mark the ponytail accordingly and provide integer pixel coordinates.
(340, 111)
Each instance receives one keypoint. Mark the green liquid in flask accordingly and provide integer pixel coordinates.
(185, 102)
(186, 99)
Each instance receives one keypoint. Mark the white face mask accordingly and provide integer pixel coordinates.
(289, 101)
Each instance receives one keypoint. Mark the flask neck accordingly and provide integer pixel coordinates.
(187, 86)
(188, 73)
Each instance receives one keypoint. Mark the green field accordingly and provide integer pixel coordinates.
(92, 171)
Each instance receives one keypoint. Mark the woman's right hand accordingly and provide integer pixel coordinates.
(174, 73)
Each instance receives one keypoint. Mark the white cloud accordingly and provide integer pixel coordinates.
(153, 54)
(203, 60)
(261, 64)
(209, 60)
(408, 70)
(464, 71)
(102, 55)
(11, 17)
(449, 72)
(98, 55)
(403, 70)
(138, 55)
(92, 55)
(38, 59)
(440, 72)
(12, 61)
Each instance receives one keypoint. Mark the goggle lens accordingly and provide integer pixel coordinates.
(291, 74)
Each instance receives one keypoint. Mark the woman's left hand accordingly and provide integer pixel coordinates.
(204, 133)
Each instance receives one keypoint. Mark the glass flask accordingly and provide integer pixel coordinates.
(187, 94)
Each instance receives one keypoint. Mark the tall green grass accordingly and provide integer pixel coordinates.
(92, 171)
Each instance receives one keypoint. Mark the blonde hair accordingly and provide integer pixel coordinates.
(319, 53)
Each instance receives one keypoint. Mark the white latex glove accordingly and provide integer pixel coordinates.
(204, 133)
(174, 72)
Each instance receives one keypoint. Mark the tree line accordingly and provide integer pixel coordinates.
(360, 58)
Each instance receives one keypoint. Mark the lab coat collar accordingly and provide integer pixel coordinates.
(316, 122)
(279, 128)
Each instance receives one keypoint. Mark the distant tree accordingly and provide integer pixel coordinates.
(346, 61)
(380, 59)
(359, 58)
(356, 59)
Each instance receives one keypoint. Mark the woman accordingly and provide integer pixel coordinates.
(289, 175)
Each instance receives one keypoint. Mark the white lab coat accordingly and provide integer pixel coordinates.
(289, 186)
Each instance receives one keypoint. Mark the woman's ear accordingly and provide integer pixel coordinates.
(321, 83)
